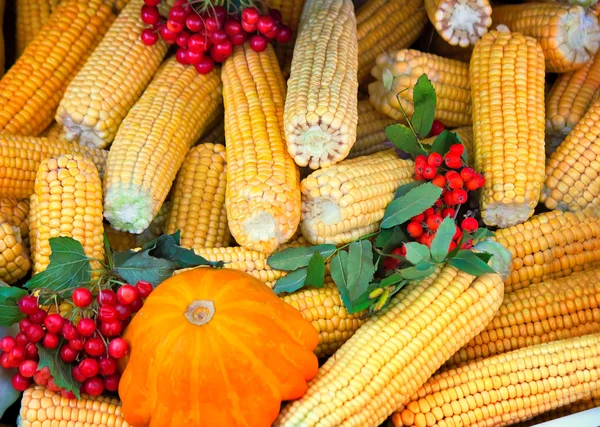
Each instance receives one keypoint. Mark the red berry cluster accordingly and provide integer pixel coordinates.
(92, 345)
(208, 37)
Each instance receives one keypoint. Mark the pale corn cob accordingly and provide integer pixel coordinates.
(41, 407)
(68, 202)
(584, 404)
(465, 134)
(551, 245)
(401, 69)
(460, 22)
(31, 16)
(321, 115)
(153, 140)
(291, 11)
(263, 189)
(20, 157)
(370, 133)
(346, 201)
(122, 240)
(14, 254)
(548, 311)
(508, 388)
(386, 26)
(198, 202)
(569, 35)
(570, 97)
(111, 81)
(56, 131)
(396, 350)
(16, 212)
(507, 76)
(31, 90)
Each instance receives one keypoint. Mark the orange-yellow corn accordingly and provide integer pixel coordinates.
(460, 22)
(31, 16)
(14, 254)
(16, 212)
(370, 134)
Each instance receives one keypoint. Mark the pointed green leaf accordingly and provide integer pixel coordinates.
(60, 370)
(9, 305)
(482, 233)
(291, 282)
(443, 238)
(424, 100)
(417, 272)
(415, 202)
(403, 138)
(470, 263)
(443, 142)
(416, 252)
(360, 268)
(316, 271)
(484, 256)
(167, 247)
(339, 274)
(403, 189)
(391, 280)
(293, 258)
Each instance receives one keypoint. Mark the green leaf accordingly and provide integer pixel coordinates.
(293, 258)
(419, 271)
(291, 282)
(9, 305)
(389, 239)
(69, 268)
(484, 256)
(360, 268)
(403, 138)
(415, 202)
(391, 280)
(470, 263)
(482, 233)
(424, 100)
(443, 142)
(339, 274)
(443, 238)
(167, 247)
(60, 370)
(316, 271)
(403, 189)
(416, 252)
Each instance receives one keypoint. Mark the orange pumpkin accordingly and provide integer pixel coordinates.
(215, 348)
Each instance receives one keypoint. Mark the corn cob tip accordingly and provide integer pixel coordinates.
(81, 133)
(128, 208)
(462, 23)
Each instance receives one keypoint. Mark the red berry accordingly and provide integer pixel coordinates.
(421, 159)
(7, 344)
(68, 354)
(38, 317)
(276, 15)
(168, 36)
(390, 263)
(284, 34)
(454, 180)
(476, 182)
(238, 39)
(220, 13)
(437, 127)
(418, 218)
(28, 304)
(21, 339)
(31, 351)
(6, 361)
(108, 313)
(467, 245)
(419, 168)
(89, 367)
(86, 327)
(127, 294)
(50, 341)
(111, 382)
(469, 224)
(149, 37)
(111, 329)
(458, 234)
(123, 311)
(265, 24)
(467, 173)
(212, 24)
(28, 368)
(54, 323)
(429, 172)
(95, 347)
(453, 161)
(415, 229)
(107, 365)
(118, 348)
(82, 297)
(272, 34)
(20, 383)
(434, 159)
(248, 28)
(17, 355)
(452, 246)
(457, 149)
(144, 288)
(194, 22)
(139, 302)
(250, 15)
(182, 38)
(77, 343)
(433, 222)
(77, 374)
(439, 181)
(460, 196)
(150, 15)
(152, 2)
(428, 212)
(438, 204)
(232, 27)
(258, 43)
(427, 238)
(418, 177)
(181, 56)
(175, 27)
(69, 331)
(177, 13)
(448, 212)
(199, 43)
(93, 386)
(35, 333)
(218, 36)
(221, 51)
(107, 297)
(52, 386)
(449, 198)
(68, 395)
(24, 324)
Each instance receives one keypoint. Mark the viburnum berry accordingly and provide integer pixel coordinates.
(7, 344)
(150, 15)
(111, 382)
(77, 374)
(108, 313)
(69, 331)
(77, 343)
(218, 36)
(194, 23)
(20, 383)
(453, 161)
(418, 218)
(111, 329)
(93, 386)
(177, 13)
(248, 28)
(433, 222)
(250, 15)
(89, 367)
(24, 324)
(238, 39)
(467, 245)
(212, 24)
(460, 196)
(68, 394)
(232, 27)
(50, 341)
(38, 317)
(415, 229)
(457, 149)
(467, 173)
(144, 288)
(149, 37)
(437, 127)
(35, 333)
(41, 376)
(107, 365)
(123, 311)
(82, 297)
(86, 327)
(31, 351)
(17, 355)
(258, 43)
(22, 339)
(5, 361)
(454, 180)
(448, 212)
(284, 34)
(52, 386)
(220, 13)
(67, 353)
(118, 348)
(54, 323)
(107, 297)
(182, 38)
(168, 35)
(127, 294)
(181, 56)
(28, 304)
(28, 368)
(95, 347)
(469, 224)
(426, 239)
(205, 66)
(276, 15)
(221, 51)
(193, 58)
(434, 159)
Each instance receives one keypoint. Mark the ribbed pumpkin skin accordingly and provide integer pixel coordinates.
(234, 370)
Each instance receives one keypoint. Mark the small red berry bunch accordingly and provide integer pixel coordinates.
(92, 345)
(207, 37)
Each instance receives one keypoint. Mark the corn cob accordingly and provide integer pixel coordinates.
(552, 310)
(386, 26)
(31, 90)
(569, 35)
(396, 350)
(370, 133)
(465, 134)
(16, 212)
(347, 201)
(508, 125)
(552, 143)
(551, 245)
(432, 42)
(42, 407)
(291, 10)
(570, 97)
(111, 81)
(122, 240)
(153, 140)
(584, 404)
(2, 41)
(20, 157)
(31, 16)
(68, 202)
(14, 256)
(198, 209)
(263, 189)
(401, 69)
(56, 131)
(321, 115)
(507, 388)
(460, 23)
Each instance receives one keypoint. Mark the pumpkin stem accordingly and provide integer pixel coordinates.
(200, 312)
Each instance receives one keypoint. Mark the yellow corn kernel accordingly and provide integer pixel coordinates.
(370, 133)
(507, 75)
(263, 189)
(347, 201)
(153, 140)
(68, 202)
(321, 115)
(569, 35)
(31, 16)
(396, 350)
(198, 208)
(56, 131)
(589, 402)
(460, 23)
(111, 81)
(14, 255)
(507, 388)
(291, 11)
(16, 212)
(386, 26)
(551, 245)
(400, 70)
